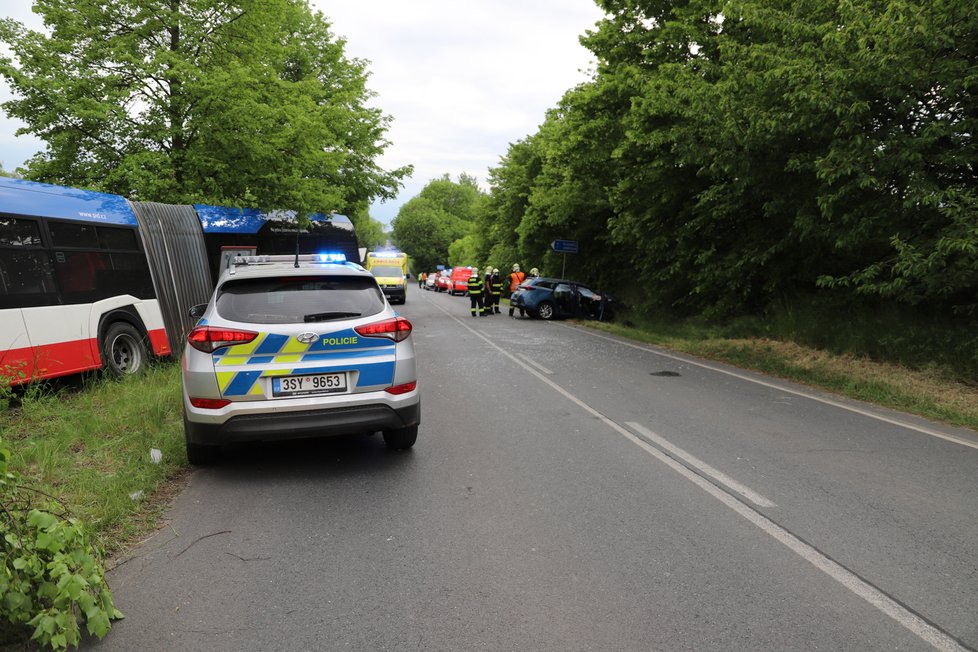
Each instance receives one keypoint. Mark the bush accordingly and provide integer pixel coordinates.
(51, 575)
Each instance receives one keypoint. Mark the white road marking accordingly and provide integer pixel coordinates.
(705, 468)
(781, 388)
(539, 366)
(887, 605)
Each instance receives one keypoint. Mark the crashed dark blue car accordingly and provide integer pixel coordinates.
(557, 298)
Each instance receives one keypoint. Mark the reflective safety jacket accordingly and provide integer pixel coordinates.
(497, 285)
(475, 285)
(515, 279)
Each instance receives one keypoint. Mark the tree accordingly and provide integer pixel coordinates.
(461, 199)
(370, 232)
(466, 252)
(237, 102)
(443, 212)
(425, 231)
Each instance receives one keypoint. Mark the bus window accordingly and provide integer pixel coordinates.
(118, 239)
(26, 279)
(76, 236)
(19, 233)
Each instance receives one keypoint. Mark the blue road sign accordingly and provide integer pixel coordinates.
(564, 246)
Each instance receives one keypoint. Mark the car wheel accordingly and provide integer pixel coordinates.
(545, 310)
(401, 438)
(123, 350)
(198, 454)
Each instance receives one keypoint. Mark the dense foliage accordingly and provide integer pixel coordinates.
(228, 102)
(764, 158)
(442, 213)
(741, 153)
(51, 575)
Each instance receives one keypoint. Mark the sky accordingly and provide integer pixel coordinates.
(462, 79)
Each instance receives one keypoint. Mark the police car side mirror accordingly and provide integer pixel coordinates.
(196, 312)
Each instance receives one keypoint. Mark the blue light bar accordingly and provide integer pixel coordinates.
(332, 258)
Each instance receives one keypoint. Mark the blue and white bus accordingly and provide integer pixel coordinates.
(90, 280)
(76, 291)
(273, 232)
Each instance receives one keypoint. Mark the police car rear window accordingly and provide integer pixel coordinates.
(291, 300)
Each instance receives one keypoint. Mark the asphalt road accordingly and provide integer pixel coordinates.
(571, 491)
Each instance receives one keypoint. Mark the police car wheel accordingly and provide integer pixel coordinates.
(545, 310)
(401, 438)
(123, 350)
(198, 454)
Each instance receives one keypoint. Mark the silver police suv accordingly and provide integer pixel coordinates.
(297, 346)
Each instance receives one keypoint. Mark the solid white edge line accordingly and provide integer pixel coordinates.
(539, 366)
(719, 476)
(887, 605)
(787, 390)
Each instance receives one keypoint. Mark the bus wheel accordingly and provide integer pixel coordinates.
(123, 350)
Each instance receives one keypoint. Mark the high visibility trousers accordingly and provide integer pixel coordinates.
(476, 301)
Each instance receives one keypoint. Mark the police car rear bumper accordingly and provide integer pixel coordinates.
(349, 420)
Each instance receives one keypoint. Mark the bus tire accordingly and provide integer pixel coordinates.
(123, 350)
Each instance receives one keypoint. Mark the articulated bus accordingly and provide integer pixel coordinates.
(89, 280)
(76, 291)
(273, 232)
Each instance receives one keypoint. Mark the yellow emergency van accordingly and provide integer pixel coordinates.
(390, 268)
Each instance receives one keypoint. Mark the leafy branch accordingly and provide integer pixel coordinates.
(52, 576)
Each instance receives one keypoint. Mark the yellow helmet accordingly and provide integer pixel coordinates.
(516, 267)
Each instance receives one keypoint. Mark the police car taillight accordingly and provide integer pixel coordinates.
(396, 329)
(209, 338)
(397, 390)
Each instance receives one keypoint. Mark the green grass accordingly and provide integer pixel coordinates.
(936, 392)
(90, 448)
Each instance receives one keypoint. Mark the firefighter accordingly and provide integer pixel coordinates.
(487, 292)
(497, 289)
(515, 278)
(534, 273)
(475, 293)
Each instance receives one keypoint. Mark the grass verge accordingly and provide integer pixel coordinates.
(933, 393)
(91, 449)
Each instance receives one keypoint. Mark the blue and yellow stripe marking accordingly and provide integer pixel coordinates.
(372, 360)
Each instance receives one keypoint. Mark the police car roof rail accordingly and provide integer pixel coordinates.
(268, 259)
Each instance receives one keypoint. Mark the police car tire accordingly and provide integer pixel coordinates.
(401, 438)
(123, 350)
(198, 454)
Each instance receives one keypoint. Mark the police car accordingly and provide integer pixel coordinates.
(297, 346)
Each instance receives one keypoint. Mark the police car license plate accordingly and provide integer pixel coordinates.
(308, 385)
